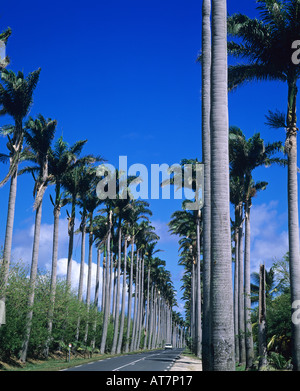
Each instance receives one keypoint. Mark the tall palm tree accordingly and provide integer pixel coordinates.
(92, 203)
(222, 337)
(266, 45)
(206, 69)
(237, 198)
(245, 156)
(39, 135)
(16, 97)
(74, 181)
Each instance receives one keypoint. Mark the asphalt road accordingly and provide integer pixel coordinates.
(158, 360)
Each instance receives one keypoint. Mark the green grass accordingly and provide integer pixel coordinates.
(186, 352)
(51, 364)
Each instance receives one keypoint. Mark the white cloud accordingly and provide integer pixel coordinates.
(75, 274)
(269, 235)
(23, 242)
(162, 230)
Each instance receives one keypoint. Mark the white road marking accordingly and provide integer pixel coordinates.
(134, 362)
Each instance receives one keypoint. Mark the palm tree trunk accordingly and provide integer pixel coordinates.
(129, 298)
(198, 291)
(262, 335)
(236, 293)
(103, 280)
(247, 296)
(241, 310)
(117, 311)
(71, 241)
(120, 340)
(107, 296)
(193, 326)
(293, 218)
(8, 237)
(151, 307)
(82, 261)
(96, 299)
(53, 276)
(89, 279)
(147, 310)
(33, 274)
(141, 302)
(222, 329)
(133, 339)
(206, 70)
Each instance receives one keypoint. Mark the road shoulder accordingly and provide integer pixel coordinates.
(185, 363)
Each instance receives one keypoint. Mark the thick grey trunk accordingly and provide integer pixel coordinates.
(206, 69)
(293, 223)
(8, 238)
(222, 329)
(198, 292)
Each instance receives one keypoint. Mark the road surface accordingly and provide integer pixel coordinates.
(158, 360)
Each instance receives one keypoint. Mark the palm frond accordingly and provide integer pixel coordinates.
(276, 120)
(244, 73)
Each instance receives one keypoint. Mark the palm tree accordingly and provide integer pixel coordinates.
(92, 202)
(74, 181)
(206, 69)
(237, 198)
(39, 134)
(245, 156)
(222, 337)
(16, 97)
(267, 46)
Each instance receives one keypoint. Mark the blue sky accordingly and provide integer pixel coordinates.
(123, 74)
